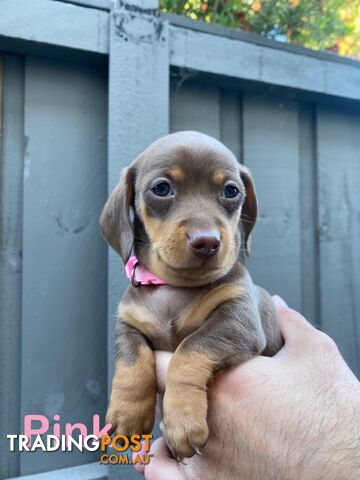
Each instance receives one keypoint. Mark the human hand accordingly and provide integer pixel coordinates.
(293, 416)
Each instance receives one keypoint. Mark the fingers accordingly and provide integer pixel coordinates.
(162, 360)
(138, 466)
(162, 466)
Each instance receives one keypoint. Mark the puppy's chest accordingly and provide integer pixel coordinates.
(164, 314)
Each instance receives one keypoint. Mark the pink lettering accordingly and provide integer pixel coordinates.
(96, 427)
(29, 430)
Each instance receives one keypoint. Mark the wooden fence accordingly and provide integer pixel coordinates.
(85, 86)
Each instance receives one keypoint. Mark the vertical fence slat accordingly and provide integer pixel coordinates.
(138, 114)
(64, 267)
(195, 106)
(271, 152)
(231, 121)
(338, 144)
(11, 220)
(308, 199)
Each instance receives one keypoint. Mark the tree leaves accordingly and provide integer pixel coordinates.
(318, 24)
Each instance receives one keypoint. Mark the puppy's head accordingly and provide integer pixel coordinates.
(185, 207)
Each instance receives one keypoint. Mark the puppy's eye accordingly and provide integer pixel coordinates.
(230, 191)
(161, 189)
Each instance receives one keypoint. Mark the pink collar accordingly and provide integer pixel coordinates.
(138, 275)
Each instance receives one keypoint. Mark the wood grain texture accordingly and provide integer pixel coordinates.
(338, 149)
(11, 244)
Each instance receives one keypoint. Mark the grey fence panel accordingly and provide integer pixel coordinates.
(64, 354)
(306, 168)
(48, 22)
(207, 108)
(338, 145)
(195, 107)
(310, 288)
(11, 205)
(271, 151)
(231, 121)
(263, 133)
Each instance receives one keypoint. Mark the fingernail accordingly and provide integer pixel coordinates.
(279, 302)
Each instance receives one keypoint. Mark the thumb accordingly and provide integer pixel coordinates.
(162, 360)
(295, 329)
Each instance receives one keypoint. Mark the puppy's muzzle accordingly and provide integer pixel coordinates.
(204, 244)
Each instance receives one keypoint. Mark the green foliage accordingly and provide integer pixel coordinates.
(317, 24)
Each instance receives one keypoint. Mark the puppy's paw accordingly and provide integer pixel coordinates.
(129, 417)
(184, 424)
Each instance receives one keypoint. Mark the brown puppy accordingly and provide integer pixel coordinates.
(186, 208)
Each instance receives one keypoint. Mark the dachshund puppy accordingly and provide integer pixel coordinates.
(181, 218)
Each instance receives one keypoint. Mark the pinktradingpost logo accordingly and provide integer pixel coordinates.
(76, 436)
(38, 436)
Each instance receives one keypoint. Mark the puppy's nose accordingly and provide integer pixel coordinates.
(205, 244)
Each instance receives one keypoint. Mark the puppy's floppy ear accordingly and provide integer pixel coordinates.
(250, 207)
(116, 225)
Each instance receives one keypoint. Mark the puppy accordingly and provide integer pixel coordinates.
(180, 218)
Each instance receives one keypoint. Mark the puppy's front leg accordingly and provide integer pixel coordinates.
(133, 396)
(232, 333)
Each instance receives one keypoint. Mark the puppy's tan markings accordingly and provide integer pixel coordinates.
(219, 177)
(133, 396)
(140, 318)
(200, 310)
(232, 331)
(176, 173)
(163, 233)
(185, 402)
(154, 227)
